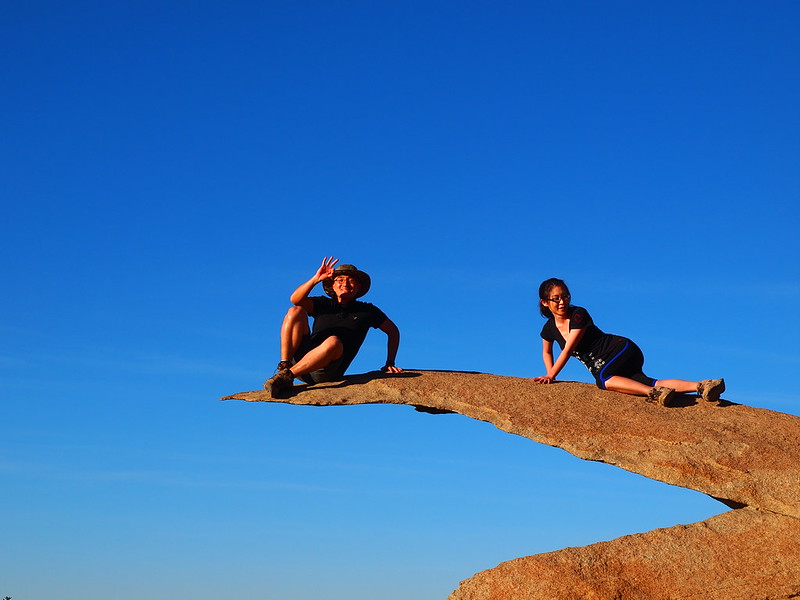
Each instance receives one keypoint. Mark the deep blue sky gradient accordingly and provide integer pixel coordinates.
(171, 171)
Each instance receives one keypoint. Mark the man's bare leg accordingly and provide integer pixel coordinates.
(281, 384)
(320, 357)
(294, 328)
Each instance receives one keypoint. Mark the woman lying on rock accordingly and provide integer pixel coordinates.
(614, 361)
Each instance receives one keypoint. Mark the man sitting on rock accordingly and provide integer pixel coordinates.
(341, 323)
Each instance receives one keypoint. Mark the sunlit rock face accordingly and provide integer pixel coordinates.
(746, 457)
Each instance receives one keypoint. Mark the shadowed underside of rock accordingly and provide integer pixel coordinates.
(740, 455)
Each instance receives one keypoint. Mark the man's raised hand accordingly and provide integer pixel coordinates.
(326, 269)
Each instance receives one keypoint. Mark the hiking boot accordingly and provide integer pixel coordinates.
(284, 364)
(711, 389)
(660, 395)
(280, 384)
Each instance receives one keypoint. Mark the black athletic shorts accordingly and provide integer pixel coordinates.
(628, 362)
(331, 372)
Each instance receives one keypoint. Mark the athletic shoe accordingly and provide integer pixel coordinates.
(711, 389)
(660, 395)
(279, 385)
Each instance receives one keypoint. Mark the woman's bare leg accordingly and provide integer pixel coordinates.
(617, 383)
(679, 385)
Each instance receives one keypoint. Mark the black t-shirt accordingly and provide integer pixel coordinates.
(350, 323)
(595, 348)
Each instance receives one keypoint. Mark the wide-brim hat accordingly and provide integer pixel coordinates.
(363, 280)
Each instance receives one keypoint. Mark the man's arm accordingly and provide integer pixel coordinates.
(300, 296)
(392, 344)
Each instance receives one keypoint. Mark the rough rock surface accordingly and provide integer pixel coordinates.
(740, 555)
(746, 457)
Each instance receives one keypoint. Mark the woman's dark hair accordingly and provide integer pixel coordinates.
(544, 293)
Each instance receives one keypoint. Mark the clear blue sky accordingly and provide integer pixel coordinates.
(171, 171)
